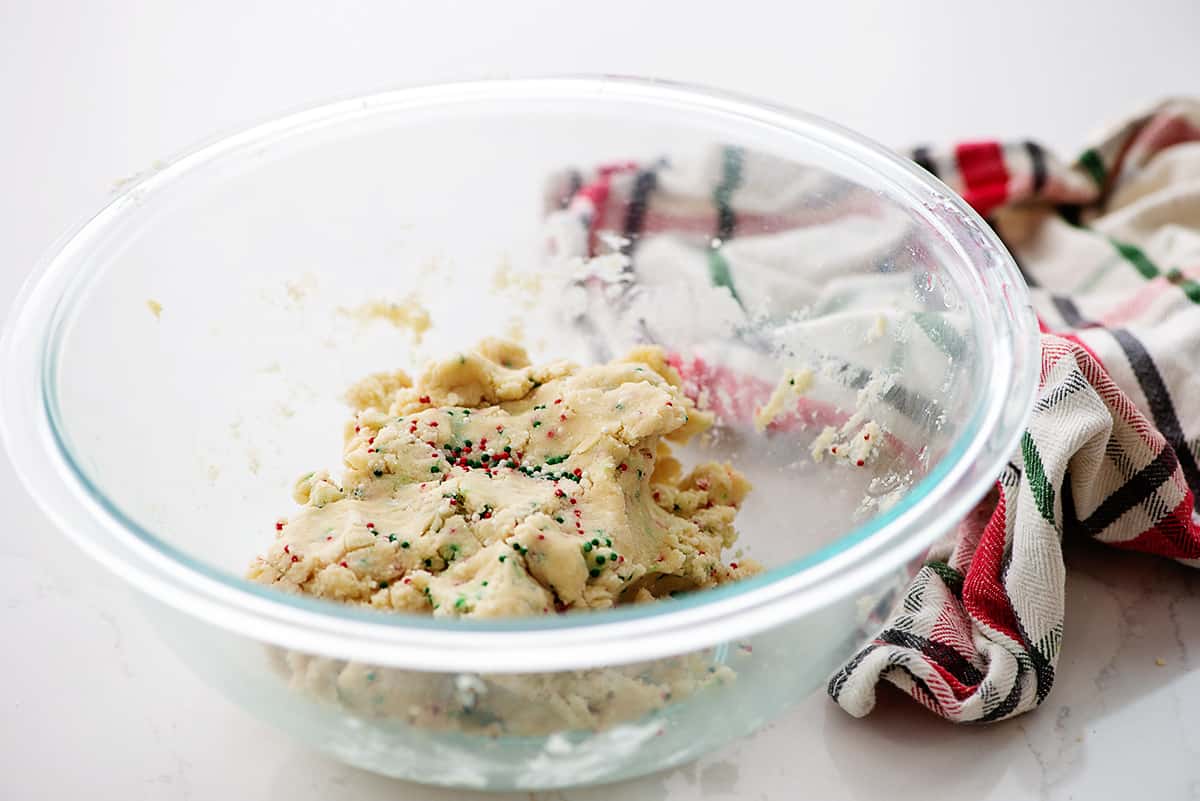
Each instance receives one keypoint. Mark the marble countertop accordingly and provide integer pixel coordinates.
(97, 708)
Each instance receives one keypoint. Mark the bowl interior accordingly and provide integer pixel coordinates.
(267, 254)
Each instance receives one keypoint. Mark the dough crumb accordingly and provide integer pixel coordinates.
(877, 329)
(790, 388)
(409, 314)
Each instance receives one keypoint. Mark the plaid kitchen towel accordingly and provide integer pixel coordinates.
(1110, 246)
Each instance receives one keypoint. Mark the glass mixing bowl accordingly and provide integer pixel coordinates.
(179, 360)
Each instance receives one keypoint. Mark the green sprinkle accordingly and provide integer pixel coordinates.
(596, 543)
(460, 603)
(392, 538)
(428, 563)
(403, 544)
(508, 448)
(587, 546)
(599, 560)
(502, 557)
(594, 572)
(516, 546)
(467, 411)
(485, 582)
(435, 469)
(371, 676)
(558, 519)
(383, 585)
(466, 443)
(556, 459)
(537, 423)
(608, 542)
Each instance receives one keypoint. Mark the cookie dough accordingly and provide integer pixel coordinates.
(491, 487)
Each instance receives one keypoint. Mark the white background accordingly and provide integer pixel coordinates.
(93, 707)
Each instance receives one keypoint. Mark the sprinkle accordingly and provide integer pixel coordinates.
(596, 543)
(833, 449)
(295, 558)
(559, 519)
(428, 563)
(599, 560)
(867, 437)
(543, 536)
(562, 417)
(371, 441)
(860, 463)
(550, 435)
(622, 467)
(587, 546)
(435, 469)
(433, 424)
(408, 581)
(558, 401)
(502, 557)
(559, 493)
(287, 549)
(499, 429)
(279, 526)
(537, 423)
(577, 471)
(343, 564)
(482, 442)
(467, 444)
(594, 572)
(733, 565)
(423, 399)
(516, 546)
(370, 525)
(403, 544)
(573, 501)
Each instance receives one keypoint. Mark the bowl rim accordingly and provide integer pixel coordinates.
(32, 431)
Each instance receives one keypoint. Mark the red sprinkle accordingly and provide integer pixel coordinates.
(833, 449)
(657, 495)
(867, 436)
(860, 463)
(499, 429)
(670, 404)
(541, 536)
(295, 558)
(733, 565)
(578, 513)
(558, 401)
(483, 442)
(560, 493)
(622, 467)
(279, 526)
(371, 441)
(433, 424)
(562, 417)
(356, 429)
(287, 549)
(329, 538)
(408, 581)
(343, 564)
(577, 471)
(423, 399)
(572, 501)
(550, 434)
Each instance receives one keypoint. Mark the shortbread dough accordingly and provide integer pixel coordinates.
(492, 488)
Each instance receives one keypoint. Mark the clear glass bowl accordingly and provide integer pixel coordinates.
(164, 444)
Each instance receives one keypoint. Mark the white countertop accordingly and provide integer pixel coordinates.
(95, 707)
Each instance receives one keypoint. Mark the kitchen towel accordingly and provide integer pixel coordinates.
(1110, 247)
